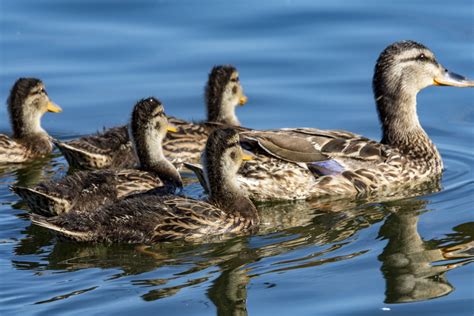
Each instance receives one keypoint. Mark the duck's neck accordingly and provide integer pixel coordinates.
(401, 127)
(151, 158)
(223, 113)
(27, 126)
(227, 195)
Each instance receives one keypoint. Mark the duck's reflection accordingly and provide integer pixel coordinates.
(229, 267)
(413, 268)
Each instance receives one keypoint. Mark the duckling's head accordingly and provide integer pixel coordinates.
(221, 159)
(27, 103)
(223, 94)
(406, 67)
(148, 127)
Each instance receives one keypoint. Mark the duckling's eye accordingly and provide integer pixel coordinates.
(421, 57)
(236, 79)
(40, 91)
(233, 155)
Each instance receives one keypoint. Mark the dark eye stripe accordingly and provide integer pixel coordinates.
(424, 60)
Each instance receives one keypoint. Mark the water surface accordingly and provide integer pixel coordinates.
(302, 63)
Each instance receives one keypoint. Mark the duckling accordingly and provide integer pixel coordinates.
(303, 163)
(87, 190)
(113, 148)
(27, 103)
(153, 218)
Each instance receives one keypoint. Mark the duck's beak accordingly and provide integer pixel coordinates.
(247, 155)
(171, 129)
(53, 107)
(243, 99)
(449, 78)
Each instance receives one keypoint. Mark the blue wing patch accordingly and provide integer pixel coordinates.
(325, 168)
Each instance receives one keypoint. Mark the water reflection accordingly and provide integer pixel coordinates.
(414, 269)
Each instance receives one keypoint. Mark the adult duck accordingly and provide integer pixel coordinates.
(27, 103)
(223, 93)
(303, 163)
(153, 218)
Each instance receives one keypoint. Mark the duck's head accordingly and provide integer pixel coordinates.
(407, 67)
(221, 160)
(148, 127)
(402, 70)
(223, 94)
(27, 103)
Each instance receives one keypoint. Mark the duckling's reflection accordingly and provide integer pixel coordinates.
(285, 228)
(407, 260)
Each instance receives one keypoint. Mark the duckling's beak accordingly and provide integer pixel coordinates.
(452, 79)
(53, 107)
(243, 99)
(246, 157)
(171, 129)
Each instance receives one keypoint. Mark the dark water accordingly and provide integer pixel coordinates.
(302, 63)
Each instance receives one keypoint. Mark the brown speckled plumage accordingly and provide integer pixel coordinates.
(346, 164)
(87, 190)
(27, 103)
(113, 149)
(152, 218)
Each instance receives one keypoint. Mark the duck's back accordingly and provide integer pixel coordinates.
(113, 148)
(146, 219)
(353, 165)
(17, 151)
(187, 143)
(109, 149)
(85, 191)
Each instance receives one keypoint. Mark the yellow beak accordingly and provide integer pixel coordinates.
(246, 157)
(52, 107)
(171, 129)
(243, 100)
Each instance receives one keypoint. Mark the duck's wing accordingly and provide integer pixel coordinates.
(85, 190)
(111, 148)
(11, 151)
(343, 144)
(283, 146)
(143, 219)
(187, 143)
(131, 181)
(323, 152)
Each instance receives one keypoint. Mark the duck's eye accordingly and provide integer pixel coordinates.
(236, 79)
(233, 155)
(421, 57)
(40, 91)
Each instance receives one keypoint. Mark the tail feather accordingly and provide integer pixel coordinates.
(81, 158)
(40, 202)
(199, 172)
(49, 224)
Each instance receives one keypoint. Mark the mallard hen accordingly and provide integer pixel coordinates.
(303, 163)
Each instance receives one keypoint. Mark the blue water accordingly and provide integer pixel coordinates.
(302, 63)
